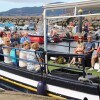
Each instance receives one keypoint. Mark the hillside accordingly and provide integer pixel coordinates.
(25, 11)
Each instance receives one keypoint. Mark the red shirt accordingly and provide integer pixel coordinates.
(98, 49)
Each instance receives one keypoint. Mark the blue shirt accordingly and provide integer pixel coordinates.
(88, 46)
(15, 39)
(13, 54)
(24, 39)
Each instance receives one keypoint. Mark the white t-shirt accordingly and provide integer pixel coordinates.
(22, 55)
(32, 57)
(1, 41)
(7, 53)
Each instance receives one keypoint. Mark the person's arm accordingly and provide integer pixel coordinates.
(21, 40)
(17, 53)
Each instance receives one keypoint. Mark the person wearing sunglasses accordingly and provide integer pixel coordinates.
(78, 50)
(6, 50)
(23, 54)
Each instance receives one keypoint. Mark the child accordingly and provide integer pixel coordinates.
(14, 54)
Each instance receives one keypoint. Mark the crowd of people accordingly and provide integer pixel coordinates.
(24, 44)
(17, 50)
(87, 49)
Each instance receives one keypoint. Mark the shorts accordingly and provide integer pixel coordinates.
(99, 55)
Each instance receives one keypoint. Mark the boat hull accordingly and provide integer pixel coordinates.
(35, 38)
(25, 81)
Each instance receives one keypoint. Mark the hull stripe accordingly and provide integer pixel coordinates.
(50, 88)
(28, 87)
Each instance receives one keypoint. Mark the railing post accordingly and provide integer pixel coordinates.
(69, 46)
(45, 40)
(83, 63)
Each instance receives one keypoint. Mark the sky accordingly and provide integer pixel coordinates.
(9, 4)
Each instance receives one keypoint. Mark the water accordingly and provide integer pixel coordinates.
(62, 47)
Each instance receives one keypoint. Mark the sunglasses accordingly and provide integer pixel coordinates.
(26, 44)
(80, 38)
(7, 41)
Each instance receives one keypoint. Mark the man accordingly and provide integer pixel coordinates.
(24, 38)
(89, 47)
(15, 38)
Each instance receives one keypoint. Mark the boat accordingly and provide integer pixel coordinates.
(36, 38)
(61, 82)
(40, 38)
(75, 84)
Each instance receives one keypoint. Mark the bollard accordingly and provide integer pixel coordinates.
(41, 88)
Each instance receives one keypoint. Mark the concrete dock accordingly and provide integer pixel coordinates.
(11, 95)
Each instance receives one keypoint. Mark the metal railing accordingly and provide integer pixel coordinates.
(49, 53)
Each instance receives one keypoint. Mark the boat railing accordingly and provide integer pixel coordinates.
(67, 55)
(48, 64)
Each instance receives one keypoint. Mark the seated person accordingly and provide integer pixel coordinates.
(89, 47)
(15, 38)
(94, 58)
(78, 50)
(6, 50)
(14, 53)
(33, 56)
(23, 54)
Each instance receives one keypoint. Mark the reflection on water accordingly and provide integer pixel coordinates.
(62, 47)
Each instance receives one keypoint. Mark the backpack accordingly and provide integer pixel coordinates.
(60, 60)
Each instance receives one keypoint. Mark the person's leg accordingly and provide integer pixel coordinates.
(80, 59)
(99, 64)
(93, 60)
(73, 59)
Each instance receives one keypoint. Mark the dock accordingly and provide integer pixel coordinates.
(11, 95)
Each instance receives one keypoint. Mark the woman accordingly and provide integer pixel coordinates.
(33, 56)
(14, 53)
(78, 50)
(23, 54)
(6, 50)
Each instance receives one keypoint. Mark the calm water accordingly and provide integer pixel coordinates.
(62, 47)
